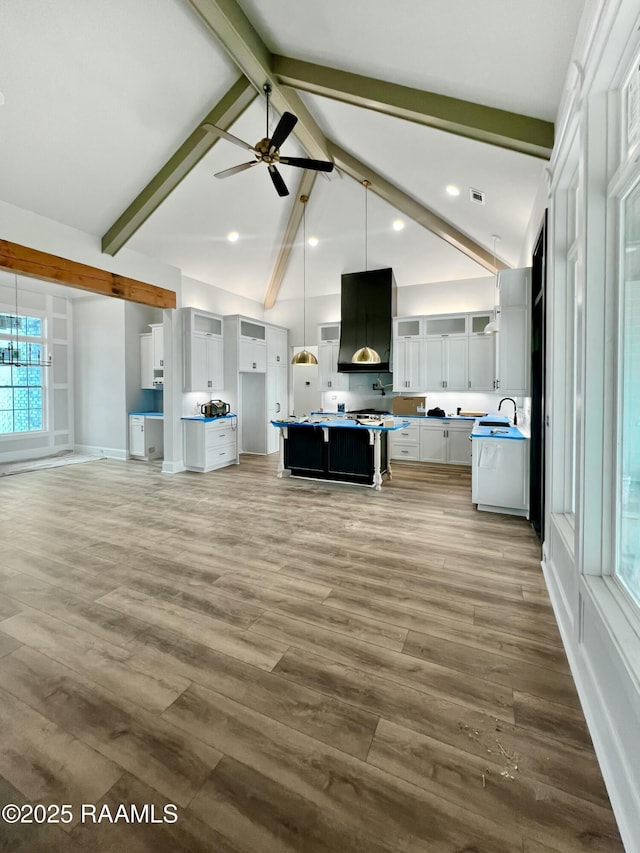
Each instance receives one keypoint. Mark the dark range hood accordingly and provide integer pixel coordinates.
(368, 302)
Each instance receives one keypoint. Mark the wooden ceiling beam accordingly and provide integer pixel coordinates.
(224, 114)
(398, 199)
(516, 132)
(47, 267)
(288, 238)
(237, 36)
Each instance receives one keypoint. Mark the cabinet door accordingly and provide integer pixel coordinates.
(157, 334)
(199, 363)
(482, 370)
(277, 402)
(328, 377)
(277, 345)
(215, 364)
(407, 364)
(456, 377)
(136, 436)
(252, 357)
(434, 367)
(458, 446)
(514, 352)
(433, 444)
(146, 361)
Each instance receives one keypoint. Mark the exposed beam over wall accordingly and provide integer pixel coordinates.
(237, 36)
(288, 238)
(224, 114)
(485, 124)
(42, 265)
(413, 209)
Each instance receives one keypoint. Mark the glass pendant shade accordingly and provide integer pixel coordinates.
(365, 355)
(491, 328)
(304, 357)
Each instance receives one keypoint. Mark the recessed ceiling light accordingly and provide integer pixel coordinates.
(312, 241)
(398, 224)
(453, 190)
(232, 236)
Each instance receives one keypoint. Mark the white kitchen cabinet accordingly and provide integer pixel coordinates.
(146, 362)
(203, 356)
(157, 337)
(446, 363)
(146, 437)
(482, 362)
(446, 441)
(252, 347)
(514, 336)
(277, 402)
(500, 475)
(209, 445)
(277, 345)
(408, 357)
(328, 377)
(405, 443)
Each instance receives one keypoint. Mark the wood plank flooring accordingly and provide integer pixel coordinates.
(299, 667)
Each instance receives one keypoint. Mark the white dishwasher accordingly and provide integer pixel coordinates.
(500, 475)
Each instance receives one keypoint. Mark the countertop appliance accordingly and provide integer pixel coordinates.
(215, 409)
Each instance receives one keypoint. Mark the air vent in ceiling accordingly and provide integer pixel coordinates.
(476, 195)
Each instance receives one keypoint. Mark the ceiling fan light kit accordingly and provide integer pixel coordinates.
(267, 150)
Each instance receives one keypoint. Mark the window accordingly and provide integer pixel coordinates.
(21, 379)
(628, 556)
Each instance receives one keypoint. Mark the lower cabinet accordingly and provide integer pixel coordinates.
(500, 475)
(146, 437)
(210, 444)
(443, 441)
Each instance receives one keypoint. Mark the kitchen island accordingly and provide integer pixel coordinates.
(339, 449)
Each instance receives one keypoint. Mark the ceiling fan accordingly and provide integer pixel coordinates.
(267, 150)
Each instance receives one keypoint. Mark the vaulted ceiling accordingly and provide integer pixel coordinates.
(101, 129)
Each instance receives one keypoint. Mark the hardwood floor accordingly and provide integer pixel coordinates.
(297, 666)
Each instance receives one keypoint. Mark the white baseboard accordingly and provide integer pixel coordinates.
(109, 452)
(37, 453)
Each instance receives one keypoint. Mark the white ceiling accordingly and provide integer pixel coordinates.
(99, 95)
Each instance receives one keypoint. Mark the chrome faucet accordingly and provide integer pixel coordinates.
(515, 409)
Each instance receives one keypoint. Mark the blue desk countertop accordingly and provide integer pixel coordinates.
(148, 414)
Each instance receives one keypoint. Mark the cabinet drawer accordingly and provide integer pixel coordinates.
(220, 455)
(219, 437)
(407, 450)
(410, 433)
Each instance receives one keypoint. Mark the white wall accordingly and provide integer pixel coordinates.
(207, 297)
(137, 319)
(99, 371)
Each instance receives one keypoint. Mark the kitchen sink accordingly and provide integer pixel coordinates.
(488, 423)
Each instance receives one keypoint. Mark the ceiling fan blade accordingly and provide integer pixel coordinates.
(226, 173)
(218, 131)
(305, 163)
(286, 124)
(279, 184)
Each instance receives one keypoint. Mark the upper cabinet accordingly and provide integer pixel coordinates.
(252, 343)
(328, 350)
(277, 345)
(203, 367)
(152, 357)
(408, 353)
(514, 337)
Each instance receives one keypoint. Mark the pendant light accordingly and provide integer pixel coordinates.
(365, 355)
(304, 356)
(492, 327)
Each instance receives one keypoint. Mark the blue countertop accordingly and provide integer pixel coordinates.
(335, 422)
(148, 414)
(505, 431)
(204, 420)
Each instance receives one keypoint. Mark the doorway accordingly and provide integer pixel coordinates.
(538, 379)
